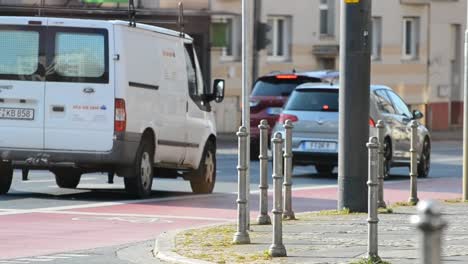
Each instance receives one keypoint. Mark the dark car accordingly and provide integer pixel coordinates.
(269, 94)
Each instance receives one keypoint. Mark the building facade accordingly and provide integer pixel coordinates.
(417, 49)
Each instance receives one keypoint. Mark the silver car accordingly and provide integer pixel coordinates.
(314, 110)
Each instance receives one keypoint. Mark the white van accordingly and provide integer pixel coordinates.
(79, 96)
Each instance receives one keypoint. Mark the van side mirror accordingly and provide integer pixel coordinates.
(417, 115)
(218, 90)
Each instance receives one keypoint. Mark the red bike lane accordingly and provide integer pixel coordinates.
(55, 230)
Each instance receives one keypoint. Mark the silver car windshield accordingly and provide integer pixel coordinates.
(325, 100)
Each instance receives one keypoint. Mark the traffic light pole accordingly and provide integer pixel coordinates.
(465, 124)
(247, 54)
(354, 104)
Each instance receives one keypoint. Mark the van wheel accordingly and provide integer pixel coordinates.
(203, 181)
(6, 176)
(141, 182)
(67, 178)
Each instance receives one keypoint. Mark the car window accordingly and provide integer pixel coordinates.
(313, 100)
(273, 86)
(383, 102)
(399, 104)
(19, 52)
(80, 54)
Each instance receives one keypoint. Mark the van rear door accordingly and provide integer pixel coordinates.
(22, 82)
(79, 90)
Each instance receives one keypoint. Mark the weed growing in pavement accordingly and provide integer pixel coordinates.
(402, 204)
(387, 210)
(215, 245)
(456, 200)
(372, 260)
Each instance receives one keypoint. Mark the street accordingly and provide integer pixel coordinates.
(99, 223)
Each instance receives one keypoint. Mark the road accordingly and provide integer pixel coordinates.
(99, 223)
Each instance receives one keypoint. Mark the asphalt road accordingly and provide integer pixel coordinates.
(98, 223)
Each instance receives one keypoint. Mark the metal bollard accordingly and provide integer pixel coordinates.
(277, 249)
(263, 217)
(381, 128)
(288, 211)
(413, 199)
(242, 236)
(431, 225)
(373, 220)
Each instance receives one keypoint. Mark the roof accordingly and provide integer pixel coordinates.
(97, 23)
(311, 86)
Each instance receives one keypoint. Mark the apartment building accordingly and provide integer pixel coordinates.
(417, 50)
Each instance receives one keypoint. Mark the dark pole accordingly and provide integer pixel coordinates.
(354, 104)
(257, 20)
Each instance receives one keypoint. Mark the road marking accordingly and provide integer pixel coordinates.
(47, 258)
(41, 181)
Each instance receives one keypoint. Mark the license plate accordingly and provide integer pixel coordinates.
(320, 146)
(16, 113)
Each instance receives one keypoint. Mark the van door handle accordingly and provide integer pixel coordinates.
(88, 90)
(58, 108)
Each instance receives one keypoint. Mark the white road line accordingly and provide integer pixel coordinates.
(138, 215)
(33, 260)
(40, 181)
(13, 262)
(70, 255)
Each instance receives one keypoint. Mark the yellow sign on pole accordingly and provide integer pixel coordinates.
(352, 1)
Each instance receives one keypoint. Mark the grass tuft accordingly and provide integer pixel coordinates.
(372, 260)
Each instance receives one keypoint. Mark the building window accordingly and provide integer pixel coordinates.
(327, 63)
(376, 38)
(327, 17)
(279, 37)
(225, 34)
(410, 45)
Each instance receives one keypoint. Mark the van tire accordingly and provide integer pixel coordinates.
(67, 178)
(204, 179)
(6, 176)
(141, 182)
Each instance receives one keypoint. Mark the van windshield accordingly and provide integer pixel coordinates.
(57, 54)
(19, 53)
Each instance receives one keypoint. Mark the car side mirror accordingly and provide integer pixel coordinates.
(218, 90)
(417, 115)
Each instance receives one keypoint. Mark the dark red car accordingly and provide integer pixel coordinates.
(269, 94)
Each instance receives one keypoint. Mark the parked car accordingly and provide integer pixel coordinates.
(269, 94)
(314, 110)
(80, 96)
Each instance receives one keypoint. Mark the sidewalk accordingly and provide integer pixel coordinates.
(319, 238)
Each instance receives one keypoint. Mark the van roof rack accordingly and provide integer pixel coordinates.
(132, 12)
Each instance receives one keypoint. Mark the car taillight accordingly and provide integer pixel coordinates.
(371, 122)
(286, 76)
(120, 121)
(283, 117)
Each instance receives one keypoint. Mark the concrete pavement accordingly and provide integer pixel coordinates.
(319, 238)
